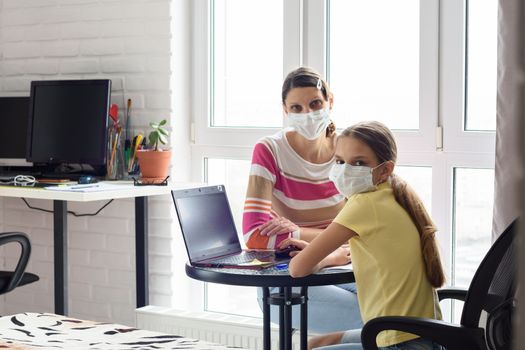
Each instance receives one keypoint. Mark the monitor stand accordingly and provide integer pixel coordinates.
(17, 170)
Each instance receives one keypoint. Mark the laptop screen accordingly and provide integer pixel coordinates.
(206, 222)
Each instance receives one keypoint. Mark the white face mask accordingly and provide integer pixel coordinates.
(352, 179)
(309, 125)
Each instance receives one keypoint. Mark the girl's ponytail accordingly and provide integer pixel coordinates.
(411, 202)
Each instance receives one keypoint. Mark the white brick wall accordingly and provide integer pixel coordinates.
(127, 41)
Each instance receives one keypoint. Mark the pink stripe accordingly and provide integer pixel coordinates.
(294, 189)
(252, 220)
(280, 238)
(263, 157)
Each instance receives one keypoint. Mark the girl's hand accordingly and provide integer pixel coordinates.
(277, 226)
(297, 243)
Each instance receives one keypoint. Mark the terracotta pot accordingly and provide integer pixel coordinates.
(154, 165)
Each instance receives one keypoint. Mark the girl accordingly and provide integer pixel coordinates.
(391, 236)
(290, 195)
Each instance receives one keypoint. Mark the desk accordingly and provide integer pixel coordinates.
(285, 298)
(60, 199)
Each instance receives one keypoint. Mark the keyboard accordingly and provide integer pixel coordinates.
(245, 257)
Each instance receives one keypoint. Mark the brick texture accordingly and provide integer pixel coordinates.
(127, 41)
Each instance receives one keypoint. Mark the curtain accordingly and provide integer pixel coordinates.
(510, 144)
(510, 100)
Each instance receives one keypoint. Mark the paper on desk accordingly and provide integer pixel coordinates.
(257, 262)
(101, 186)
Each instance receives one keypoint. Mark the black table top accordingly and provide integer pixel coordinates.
(270, 277)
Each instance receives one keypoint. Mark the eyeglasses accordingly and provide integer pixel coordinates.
(143, 182)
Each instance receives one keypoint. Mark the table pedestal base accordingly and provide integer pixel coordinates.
(285, 299)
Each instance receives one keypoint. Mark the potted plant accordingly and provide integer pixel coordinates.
(154, 161)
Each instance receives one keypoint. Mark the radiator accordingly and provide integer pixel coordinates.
(231, 330)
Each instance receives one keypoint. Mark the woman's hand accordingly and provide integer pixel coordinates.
(277, 226)
(340, 256)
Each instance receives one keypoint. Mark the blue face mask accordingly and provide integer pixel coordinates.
(309, 125)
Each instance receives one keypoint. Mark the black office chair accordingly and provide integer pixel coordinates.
(492, 291)
(9, 280)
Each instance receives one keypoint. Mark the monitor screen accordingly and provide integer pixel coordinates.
(68, 121)
(14, 112)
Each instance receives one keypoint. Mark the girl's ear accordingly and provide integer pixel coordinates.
(387, 169)
(331, 100)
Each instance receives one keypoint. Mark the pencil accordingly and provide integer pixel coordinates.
(128, 115)
(117, 138)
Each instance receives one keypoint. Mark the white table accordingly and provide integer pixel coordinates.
(60, 199)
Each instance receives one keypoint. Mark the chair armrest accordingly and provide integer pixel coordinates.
(451, 336)
(452, 293)
(23, 240)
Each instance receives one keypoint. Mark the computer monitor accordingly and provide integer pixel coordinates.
(67, 129)
(14, 112)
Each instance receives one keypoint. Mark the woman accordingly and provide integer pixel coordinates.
(391, 236)
(290, 195)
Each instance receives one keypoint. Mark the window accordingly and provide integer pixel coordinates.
(382, 65)
(424, 68)
(473, 197)
(481, 58)
(234, 175)
(247, 70)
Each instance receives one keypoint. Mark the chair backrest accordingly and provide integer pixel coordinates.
(13, 279)
(494, 283)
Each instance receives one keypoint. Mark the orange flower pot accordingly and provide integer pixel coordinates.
(154, 165)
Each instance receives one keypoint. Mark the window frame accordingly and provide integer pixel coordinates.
(452, 87)
(311, 42)
(442, 88)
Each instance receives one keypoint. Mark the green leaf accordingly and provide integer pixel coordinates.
(158, 134)
(163, 139)
(153, 138)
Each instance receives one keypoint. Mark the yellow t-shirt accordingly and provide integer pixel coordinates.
(387, 261)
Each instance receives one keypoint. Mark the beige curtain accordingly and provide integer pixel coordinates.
(510, 140)
(520, 31)
(509, 162)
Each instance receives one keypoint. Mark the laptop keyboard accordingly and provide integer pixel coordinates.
(243, 258)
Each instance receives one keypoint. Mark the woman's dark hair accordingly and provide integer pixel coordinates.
(307, 77)
(380, 139)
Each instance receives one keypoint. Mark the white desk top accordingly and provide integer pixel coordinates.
(125, 192)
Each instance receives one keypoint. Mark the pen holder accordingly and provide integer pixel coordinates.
(115, 156)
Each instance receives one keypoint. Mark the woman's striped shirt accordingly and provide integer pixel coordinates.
(282, 184)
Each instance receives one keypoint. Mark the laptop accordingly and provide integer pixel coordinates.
(210, 234)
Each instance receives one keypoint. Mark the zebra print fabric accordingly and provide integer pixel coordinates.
(31, 331)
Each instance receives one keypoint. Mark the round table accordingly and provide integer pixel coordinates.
(274, 277)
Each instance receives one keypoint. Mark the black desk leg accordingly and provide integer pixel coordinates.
(288, 318)
(141, 250)
(282, 326)
(304, 318)
(266, 319)
(60, 256)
